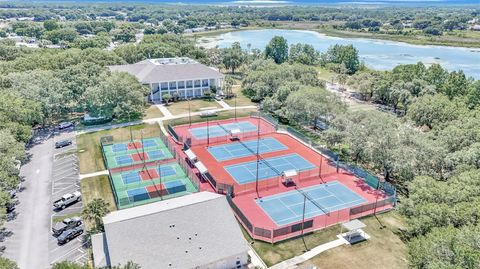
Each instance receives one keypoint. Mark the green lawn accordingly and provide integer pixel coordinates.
(152, 112)
(97, 187)
(181, 107)
(383, 250)
(88, 145)
(325, 74)
(59, 218)
(242, 100)
(274, 253)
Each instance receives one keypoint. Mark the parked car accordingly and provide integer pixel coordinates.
(63, 143)
(65, 125)
(67, 199)
(66, 224)
(69, 234)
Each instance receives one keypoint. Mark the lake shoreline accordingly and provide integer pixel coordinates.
(378, 54)
(348, 34)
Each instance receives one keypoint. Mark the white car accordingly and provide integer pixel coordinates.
(67, 200)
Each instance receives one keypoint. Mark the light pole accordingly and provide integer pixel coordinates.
(235, 97)
(258, 149)
(208, 134)
(189, 113)
(160, 177)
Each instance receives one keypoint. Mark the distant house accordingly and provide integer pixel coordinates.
(476, 27)
(197, 231)
(176, 76)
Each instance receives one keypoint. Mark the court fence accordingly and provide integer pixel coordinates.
(295, 229)
(367, 177)
(181, 160)
(267, 126)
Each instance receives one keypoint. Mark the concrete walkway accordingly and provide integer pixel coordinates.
(223, 104)
(164, 110)
(99, 173)
(293, 262)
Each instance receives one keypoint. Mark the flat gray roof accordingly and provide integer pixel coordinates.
(353, 225)
(183, 232)
(168, 69)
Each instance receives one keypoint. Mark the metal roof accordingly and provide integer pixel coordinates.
(201, 167)
(353, 225)
(190, 155)
(184, 232)
(152, 71)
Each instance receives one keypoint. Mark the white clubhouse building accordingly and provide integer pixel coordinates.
(182, 77)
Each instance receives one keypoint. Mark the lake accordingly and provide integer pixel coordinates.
(376, 54)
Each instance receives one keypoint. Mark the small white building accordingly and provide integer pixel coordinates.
(182, 77)
(197, 231)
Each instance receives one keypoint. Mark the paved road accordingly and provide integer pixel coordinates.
(28, 245)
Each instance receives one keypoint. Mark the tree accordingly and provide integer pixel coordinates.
(166, 98)
(433, 110)
(125, 33)
(95, 211)
(344, 54)
(50, 25)
(309, 105)
(117, 95)
(304, 54)
(446, 247)
(233, 57)
(7, 264)
(128, 265)
(277, 49)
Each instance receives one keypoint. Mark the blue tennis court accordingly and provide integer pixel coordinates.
(175, 186)
(156, 154)
(287, 207)
(130, 177)
(246, 172)
(119, 147)
(166, 171)
(149, 143)
(237, 150)
(123, 160)
(215, 130)
(139, 194)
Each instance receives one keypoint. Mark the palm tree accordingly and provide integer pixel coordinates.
(95, 211)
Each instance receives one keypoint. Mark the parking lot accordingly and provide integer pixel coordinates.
(65, 180)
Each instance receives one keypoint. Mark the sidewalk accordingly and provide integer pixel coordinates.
(164, 110)
(293, 262)
(99, 173)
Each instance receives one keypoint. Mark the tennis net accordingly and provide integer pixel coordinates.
(313, 201)
(261, 159)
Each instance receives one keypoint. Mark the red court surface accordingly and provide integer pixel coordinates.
(149, 174)
(133, 145)
(157, 190)
(252, 216)
(136, 157)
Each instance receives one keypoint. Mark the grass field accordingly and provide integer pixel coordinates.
(181, 107)
(383, 250)
(242, 100)
(152, 112)
(274, 253)
(88, 145)
(97, 187)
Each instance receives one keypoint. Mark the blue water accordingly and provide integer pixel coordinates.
(376, 54)
(292, 2)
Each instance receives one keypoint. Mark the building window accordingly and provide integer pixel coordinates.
(197, 83)
(181, 84)
(189, 84)
(205, 83)
(173, 85)
(164, 85)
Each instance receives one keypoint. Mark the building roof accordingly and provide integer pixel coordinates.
(353, 225)
(168, 69)
(183, 232)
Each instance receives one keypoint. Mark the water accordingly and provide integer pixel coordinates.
(376, 54)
